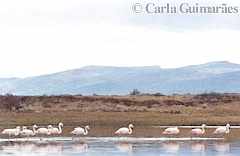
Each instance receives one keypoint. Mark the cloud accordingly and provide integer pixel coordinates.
(39, 37)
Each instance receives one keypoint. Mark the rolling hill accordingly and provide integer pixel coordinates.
(220, 76)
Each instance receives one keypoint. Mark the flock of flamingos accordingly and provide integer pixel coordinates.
(78, 131)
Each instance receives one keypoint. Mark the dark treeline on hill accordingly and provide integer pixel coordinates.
(135, 101)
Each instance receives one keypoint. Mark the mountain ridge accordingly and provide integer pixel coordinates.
(221, 76)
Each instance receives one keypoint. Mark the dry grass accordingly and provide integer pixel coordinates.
(111, 110)
(168, 116)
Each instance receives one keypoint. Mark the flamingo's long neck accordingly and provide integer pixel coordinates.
(203, 130)
(34, 130)
(59, 129)
(130, 130)
(85, 131)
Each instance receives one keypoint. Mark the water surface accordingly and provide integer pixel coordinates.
(113, 146)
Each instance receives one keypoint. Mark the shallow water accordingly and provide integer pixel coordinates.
(112, 146)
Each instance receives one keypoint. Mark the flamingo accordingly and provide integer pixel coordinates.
(125, 130)
(80, 130)
(12, 132)
(28, 132)
(55, 130)
(43, 131)
(222, 130)
(198, 131)
(171, 131)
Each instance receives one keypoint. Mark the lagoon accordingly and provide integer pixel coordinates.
(123, 146)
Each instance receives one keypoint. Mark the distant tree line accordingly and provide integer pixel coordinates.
(136, 92)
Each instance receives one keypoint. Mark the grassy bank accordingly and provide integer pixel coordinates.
(212, 109)
(105, 123)
(72, 118)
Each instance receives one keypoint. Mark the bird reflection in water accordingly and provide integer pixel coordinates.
(222, 147)
(49, 148)
(79, 147)
(14, 148)
(171, 147)
(124, 147)
(198, 147)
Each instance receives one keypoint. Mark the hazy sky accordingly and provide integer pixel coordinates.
(45, 36)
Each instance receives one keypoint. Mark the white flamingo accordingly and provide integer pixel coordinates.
(28, 132)
(80, 130)
(12, 132)
(125, 130)
(55, 130)
(198, 131)
(222, 130)
(43, 131)
(171, 131)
